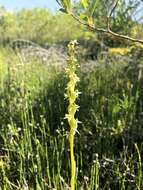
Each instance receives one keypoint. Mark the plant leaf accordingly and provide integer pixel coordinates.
(66, 4)
(92, 8)
(85, 3)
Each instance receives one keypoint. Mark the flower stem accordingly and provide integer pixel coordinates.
(72, 95)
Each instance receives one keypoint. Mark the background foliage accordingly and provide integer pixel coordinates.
(34, 151)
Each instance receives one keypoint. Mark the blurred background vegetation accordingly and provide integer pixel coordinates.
(34, 150)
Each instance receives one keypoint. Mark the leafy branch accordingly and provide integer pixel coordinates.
(90, 7)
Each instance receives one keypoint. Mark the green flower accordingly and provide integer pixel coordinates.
(72, 95)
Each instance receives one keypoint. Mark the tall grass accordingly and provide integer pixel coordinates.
(34, 150)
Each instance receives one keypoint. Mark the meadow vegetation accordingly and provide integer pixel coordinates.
(34, 147)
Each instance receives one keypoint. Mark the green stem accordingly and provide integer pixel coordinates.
(72, 95)
(73, 162)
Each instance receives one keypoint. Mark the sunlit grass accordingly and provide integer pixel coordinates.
(34, 149)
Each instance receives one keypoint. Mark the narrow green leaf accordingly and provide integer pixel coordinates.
(66, 4)
(92, 8)
(63, 10)
(85, 3)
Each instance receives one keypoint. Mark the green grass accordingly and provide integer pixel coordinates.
(34, 148)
